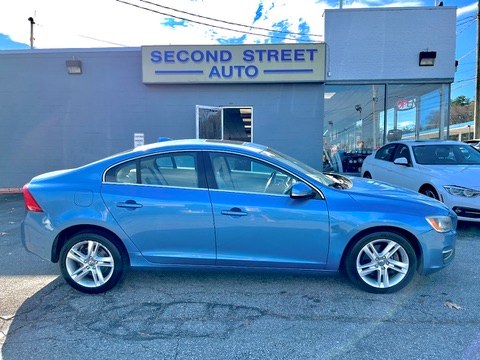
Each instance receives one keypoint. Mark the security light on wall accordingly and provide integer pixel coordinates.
(74, 67)
(427, 58)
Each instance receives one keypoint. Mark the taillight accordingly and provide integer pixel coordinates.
(30, 203)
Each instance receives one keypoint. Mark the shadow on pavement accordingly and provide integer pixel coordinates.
(218, 315)
(150, 312)
(14, 259)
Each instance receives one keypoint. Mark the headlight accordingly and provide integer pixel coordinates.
(440, 223)
(461, 191)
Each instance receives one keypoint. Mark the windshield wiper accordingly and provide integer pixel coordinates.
(338, 181)
(338, 185)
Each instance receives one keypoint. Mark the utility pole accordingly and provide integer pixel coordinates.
(32, 22)
(477, 88)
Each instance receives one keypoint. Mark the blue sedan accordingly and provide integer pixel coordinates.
(192, 204)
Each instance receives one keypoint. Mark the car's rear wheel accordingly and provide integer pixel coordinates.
(382, 262)
(91, 263)
(367, 175)
(430, 192)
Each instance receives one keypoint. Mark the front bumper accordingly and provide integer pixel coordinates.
(466, 213)
(467, 209)
(438, 250)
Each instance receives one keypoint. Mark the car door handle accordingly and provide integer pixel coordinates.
(234, 212)
(129, 204)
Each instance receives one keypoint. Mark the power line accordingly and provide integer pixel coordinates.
(467, 53)
(100, 40)
(463, 72)
(461, 86)
(228, 22)
(84, 36)
(466, 19)
(467, 25)
(464, 80)
(205, 24)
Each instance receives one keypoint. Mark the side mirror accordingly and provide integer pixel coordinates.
(401, 161)
(301, 190)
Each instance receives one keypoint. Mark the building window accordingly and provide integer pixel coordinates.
(360, 118)
(353, 125)
(225, 123)
(417, 111)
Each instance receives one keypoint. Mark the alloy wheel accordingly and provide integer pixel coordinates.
(382, 263)
(90, 264)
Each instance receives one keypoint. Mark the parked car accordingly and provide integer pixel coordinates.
(448, 171)
(474, 142)
(200, 204)
(348, 162)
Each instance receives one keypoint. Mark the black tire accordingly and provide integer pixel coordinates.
(382, 272)
(92, 263)
(430, 192)
(367, 175)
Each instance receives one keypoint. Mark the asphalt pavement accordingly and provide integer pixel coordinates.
(223, 315)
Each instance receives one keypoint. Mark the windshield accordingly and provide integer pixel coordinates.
(299, 166)
(448, 154)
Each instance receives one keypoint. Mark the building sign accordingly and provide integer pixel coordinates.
(271, 63)
(406, 104)
(138, 139)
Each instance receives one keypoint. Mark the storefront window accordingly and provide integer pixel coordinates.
(353, 125)
(417, 111)
(361, 118)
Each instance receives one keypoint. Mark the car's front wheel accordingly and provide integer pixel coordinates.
(382, 262)
(430, 192)
(91, 263)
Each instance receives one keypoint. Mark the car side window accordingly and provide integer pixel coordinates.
(239, 173)
(402, 151)
(172, 169)
(125, 173)
(386, 153)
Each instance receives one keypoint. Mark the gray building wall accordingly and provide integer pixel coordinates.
(51, 120)
(384, 43)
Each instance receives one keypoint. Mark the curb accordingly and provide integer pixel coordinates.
(14, 190)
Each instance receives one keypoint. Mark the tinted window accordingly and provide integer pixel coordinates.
(402, 151)
(448, 154)
(173, 169)
(176, 161)
(124, 173)
(386, 153)
(238, 173)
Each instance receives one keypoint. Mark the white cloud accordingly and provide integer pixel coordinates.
(467, 9)
(94, 23)
(369, 3)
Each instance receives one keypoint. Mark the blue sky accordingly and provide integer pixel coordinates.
(106, 23)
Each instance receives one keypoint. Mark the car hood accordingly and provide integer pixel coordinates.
(461, 175)
(378, 189)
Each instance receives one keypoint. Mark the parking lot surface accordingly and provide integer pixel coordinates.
(223, 315)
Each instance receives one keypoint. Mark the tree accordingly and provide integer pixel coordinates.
(461, 100)
(461, 110)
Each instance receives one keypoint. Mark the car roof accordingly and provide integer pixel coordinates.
(206, 144)
(174, 145)
(184, 145)
(427, 142)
